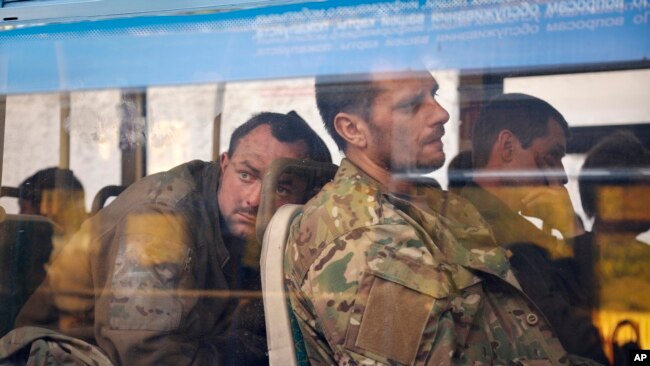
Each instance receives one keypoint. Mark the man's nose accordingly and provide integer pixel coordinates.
(437, 113)
(559, 170)
(253, 195)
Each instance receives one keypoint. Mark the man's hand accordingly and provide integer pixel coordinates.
(550, 202)
(553, 206)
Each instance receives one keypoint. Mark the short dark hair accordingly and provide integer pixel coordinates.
(288, 127)
(344, 93)
(619, 154)
(525, 116)
(31, 189)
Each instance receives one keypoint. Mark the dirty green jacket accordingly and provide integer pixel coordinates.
(553, 285)
(146, 279)
(33, 346)
(378, 278)
(509, 227)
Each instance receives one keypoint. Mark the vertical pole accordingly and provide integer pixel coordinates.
(474, 89)
(3, 113)
(216, 137)
(64, 133)
(133, 140)
(216, 123)
(141, 143)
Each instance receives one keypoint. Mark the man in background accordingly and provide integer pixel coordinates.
(58, 195)
(517, 148)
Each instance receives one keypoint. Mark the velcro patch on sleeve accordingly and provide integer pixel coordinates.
(393, 321)
(145, 293)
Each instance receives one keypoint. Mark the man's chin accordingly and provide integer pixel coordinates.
(430, 166)
(414, 170)
(418, 167)
(524, 183)
(243, 231)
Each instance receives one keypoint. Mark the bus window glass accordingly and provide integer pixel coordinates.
(177, 121)
(491, 180)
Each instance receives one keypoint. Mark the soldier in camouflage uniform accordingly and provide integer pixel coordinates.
(384, 271)
(148, 279)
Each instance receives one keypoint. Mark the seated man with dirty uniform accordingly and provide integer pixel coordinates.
(383, 270)
(153, 277)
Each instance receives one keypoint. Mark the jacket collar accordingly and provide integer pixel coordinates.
(208, 177)
(455, 226)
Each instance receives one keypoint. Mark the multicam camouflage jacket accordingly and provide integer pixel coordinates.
(378, 278)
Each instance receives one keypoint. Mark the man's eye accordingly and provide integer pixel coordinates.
(410, 107)
(282, 191)
(554, 158)
(245, 176)
(434, 91)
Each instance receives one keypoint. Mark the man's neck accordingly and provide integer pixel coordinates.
(380, 173)
(234, 244)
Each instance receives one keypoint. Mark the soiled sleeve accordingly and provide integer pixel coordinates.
(143, 310)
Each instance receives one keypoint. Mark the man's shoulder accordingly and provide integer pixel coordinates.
(154, 205)
(347, 203)
(484, 202)
(463, 209)
(172, 185)
(346, 209)
(166, 188)
(509, 227)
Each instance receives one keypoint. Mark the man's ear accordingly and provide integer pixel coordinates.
(352, 129)
(504, 146)
(224, 160)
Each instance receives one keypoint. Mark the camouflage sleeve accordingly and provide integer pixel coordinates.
(148, 294)
(380, 296)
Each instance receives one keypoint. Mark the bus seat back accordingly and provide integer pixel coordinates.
(25, 247)
(282, 333)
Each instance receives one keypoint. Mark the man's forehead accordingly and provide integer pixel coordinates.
(260, 147)
(554, 140)
(557, 132)
(247, 160)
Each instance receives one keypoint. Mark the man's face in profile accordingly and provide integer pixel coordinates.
(406, 123)
(543, 157)
(28, 207)
(240, 185)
